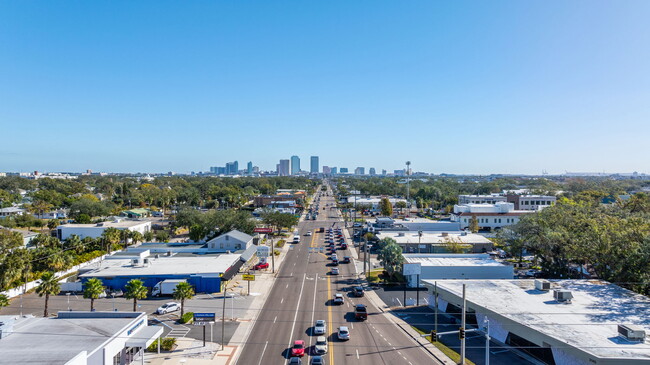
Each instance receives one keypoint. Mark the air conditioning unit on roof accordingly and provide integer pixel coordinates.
(632, 333)
(562, 295)
(542, 285)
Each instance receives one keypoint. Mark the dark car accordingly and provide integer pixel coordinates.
(357, 291)
(360, 312)
(346, 260)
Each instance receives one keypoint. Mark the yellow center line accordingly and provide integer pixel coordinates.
(329, 318)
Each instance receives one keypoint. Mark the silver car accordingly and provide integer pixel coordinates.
(321, 345)
(320, 327)
(343, 333)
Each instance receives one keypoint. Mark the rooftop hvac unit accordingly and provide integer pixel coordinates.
(562, 295)
(463, 233)
(145, 261)
(445, 234)
(169, 253)
(401, 234)
(157, 256)
(632, 333)
(542, 285)
(135, 262)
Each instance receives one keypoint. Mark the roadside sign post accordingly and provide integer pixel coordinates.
(201, 319)
(248, 278)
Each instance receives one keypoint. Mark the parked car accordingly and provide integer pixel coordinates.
(343, 333)
(168, 307)
(335, 270)
(261, 265)
(346, 259)
(298, 348)
(308, 233)
(320, 327)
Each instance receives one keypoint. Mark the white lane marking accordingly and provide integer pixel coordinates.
(287, 287)
(313, 308)
(275, 319)
(295, 317)
(357, 350)
(352, 325)
(282, 301)
(263, 351)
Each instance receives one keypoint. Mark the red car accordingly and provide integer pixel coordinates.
(298, 348)
(261, 265)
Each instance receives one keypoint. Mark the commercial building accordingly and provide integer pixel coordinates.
(204, 272)
(360, 171)
(457, 266)
(249, 168)
(489, 216)
(95, 230)
(232, 168)
(531, 202)
(334, 170)
(373, 202)
(231, 241)
(372, 171)
(314, 165)
(284, 168)
(295, 165)
(481, 199)
(327, 170)
(562, 322)
(438, 242)
(414, 224)
(77, 338)
(344, 170)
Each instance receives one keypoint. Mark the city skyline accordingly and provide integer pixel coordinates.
(461, 87)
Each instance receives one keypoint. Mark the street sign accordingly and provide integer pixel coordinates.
(201, 319)
(248, 277)
(411, 269)
(263, 230)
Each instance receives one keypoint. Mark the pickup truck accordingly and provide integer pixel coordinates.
(360, 312)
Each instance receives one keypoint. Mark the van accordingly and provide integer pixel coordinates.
(296, 239)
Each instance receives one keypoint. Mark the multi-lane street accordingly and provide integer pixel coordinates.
(302, 293)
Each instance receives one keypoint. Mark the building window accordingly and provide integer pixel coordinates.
(221, 244)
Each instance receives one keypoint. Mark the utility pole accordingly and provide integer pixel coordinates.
(487, 340)
(272, 256)
(408, 185)
(419, 240)
(462, 329)
(435, 299)
(223, 318)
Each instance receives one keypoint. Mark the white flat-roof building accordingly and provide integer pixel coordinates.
(64, 231)
(481, 199)
(77, 338)
(437, 242)
(582, 330)
(457, 266)
(373, 201)
(489, 216)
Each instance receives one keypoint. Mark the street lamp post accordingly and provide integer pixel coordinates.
(68, 295)
(419, 240)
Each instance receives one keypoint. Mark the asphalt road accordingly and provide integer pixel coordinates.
(302, 294)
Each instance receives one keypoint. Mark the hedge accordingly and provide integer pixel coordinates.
(187, 317)
(167, 344)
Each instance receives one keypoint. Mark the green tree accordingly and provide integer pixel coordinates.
(401, 205)
(391, 258)
(52, 224)
(136, 237)
(135, 290)
(112, 237)
(49, 286)
(83, 218)
(93, 288)
(473, 224)
(148, 236)
(183, 291)
(162, 236)
(196, 232)
(39, 207)
(4, 301)
(75, 244)
(386, 207)
(455, 245)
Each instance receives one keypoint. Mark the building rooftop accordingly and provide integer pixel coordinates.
(435, 237)
(59, 340)
(588, 323)
(451, 260)
(114, 224)
(173, 265)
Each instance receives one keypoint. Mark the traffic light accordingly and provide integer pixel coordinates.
(434, 336)
(461, 333)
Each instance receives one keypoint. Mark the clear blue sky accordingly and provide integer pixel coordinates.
(454, 86)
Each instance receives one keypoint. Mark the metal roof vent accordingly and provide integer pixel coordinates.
(401, 234)
(562, 295)
(632, 333)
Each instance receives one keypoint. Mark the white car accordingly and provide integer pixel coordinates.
(308, 233)
(168, 307)
(343, 333)
(335, 271)
(338, 298)
(320, 327)
(321, 345)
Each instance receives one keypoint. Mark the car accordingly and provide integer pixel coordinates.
(308, 233)
(261, 265)
(320, 327)
(295, 361)
(168, 307)
(298, 348)
(334, 257)
(338, 298)
(357, 291)
(343, 333)
(321, 345)
(316, 360)
(335, 270)
(346, 259)
(335, 262)
(360, 312)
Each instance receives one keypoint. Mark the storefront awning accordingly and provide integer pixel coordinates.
(145, 336)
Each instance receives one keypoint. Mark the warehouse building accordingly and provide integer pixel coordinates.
(456, 266)
(64, 231)
(438, 242)
(562, 322)
(77, 338)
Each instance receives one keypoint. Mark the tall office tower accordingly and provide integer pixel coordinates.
(295, 165)
(284, 168)
(327, 170)
(372, 171)
(249, 168)
(383, 172)
(343, 170)
(314, 165)
(334, 170)
(360, 171)
(232, 168)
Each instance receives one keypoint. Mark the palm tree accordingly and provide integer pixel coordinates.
(49, 286)
(92, 289)
(135, 290)
(4, 301)
(183, 291)
(136, 237)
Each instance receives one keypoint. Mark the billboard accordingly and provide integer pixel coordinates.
(263, 230)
